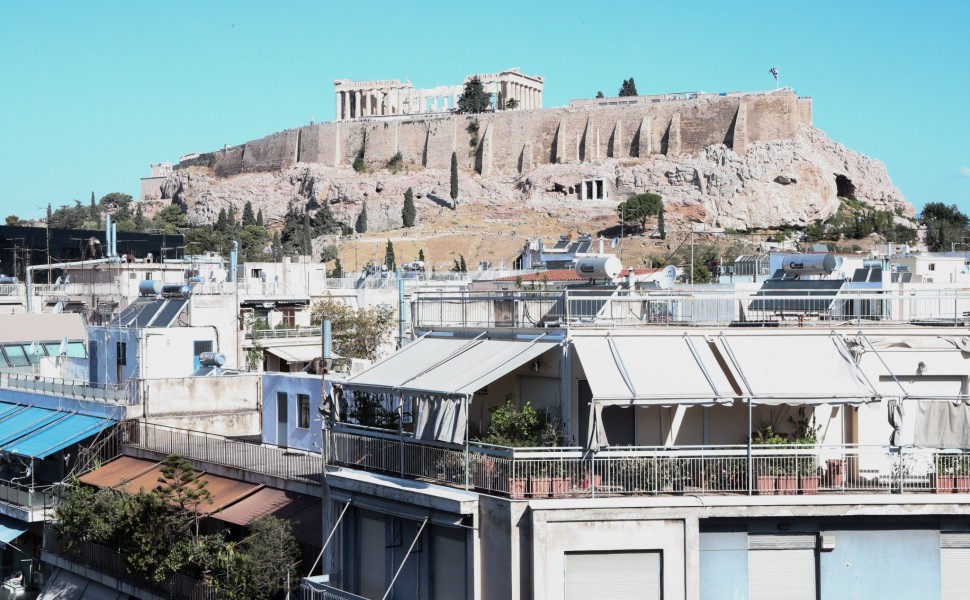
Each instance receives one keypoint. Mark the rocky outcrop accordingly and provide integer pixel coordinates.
(782, 183)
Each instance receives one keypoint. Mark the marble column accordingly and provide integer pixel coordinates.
(339, 106)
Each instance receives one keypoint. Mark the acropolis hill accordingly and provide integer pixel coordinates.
(739, 160)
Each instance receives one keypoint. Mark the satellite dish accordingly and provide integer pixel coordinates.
(58, 308)
(34, 349)
(62, 349)
(615, 242)
(668, 277)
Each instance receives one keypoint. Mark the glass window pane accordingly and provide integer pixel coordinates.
(16, 355)
(76, 350)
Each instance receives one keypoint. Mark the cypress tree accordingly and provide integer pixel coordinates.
(421, 254)
(409, 213)
(661, 226)
(454, 178)
(389, 259)
(259, 218)
(248, 217)
(361, 225)
(94, 209)
(277, 248)
(222, 223)
(338, 269)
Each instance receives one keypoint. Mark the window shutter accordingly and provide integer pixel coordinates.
(781, 566)
(954, 558)
(613, 576)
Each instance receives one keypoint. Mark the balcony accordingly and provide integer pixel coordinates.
(589, 308)
(122, 395)
(85, 557)
(640, 471)
(25, 502)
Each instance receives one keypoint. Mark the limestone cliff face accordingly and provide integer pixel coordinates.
(777, 183)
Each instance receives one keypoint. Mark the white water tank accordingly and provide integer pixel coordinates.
(603, 266)
(811, 264)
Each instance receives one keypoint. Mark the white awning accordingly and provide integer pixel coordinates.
(652, 370)
(797, 369)
(304, 353)
(447, 366)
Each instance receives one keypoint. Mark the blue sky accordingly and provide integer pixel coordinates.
(91, 93)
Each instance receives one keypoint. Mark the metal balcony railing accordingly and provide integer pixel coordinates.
(701, 307)
(573, 472)
(255, 458)
(70, 388)
(284, 333)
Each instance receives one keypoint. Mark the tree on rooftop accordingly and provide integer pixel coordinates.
(181, 486)
(474, 98)
(629, 88)
(409, 213)
(356, 333)
(273, 554)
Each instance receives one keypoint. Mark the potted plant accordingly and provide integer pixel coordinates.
(540, 483)
(805, 432)
(559, 481)
(944, 479)
(768, 468)
(512, 427)
(961, 474)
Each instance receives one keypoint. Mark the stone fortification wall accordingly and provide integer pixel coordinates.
(516, 142)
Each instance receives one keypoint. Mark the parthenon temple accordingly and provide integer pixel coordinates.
(511, 89)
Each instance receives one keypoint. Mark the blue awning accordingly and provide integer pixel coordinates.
(11, 529)
(56, 435)
(26, 421)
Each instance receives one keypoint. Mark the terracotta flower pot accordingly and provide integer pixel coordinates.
(765, 484)
(944, 483)
(560, 487)
(835, 474)
(517, 487)
(539, 487)
(808, 484)
(787, 485)
(963, 484)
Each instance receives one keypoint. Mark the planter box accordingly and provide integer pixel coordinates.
(808, 484)
(963, 484)
(943, 484)
(517, 487)
(539, 487)
(787, 485)
(765, 484)
(560, 487)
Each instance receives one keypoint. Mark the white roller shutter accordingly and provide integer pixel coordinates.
(613, 575)
(954, 558)
(781, 566)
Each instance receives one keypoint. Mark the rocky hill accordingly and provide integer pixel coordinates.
(758, 184)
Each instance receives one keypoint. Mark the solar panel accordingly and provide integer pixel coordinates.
(170, 312)
(151, 308)
(126, 316)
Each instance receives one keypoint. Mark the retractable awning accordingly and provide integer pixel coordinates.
(304, 511)
(448, 366)
(11, 529)
(57, 435)
(797, 369)
(304, 353)
(652, 370)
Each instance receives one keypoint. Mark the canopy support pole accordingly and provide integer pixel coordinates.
(465, 400)
(329, 537)
(750, 457)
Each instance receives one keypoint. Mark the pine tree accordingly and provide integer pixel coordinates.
(454, 178)
(361, 225)
(409, 213)
(259, 218)
(389, 259)
(474, 98)
(629, 88)
(600, 95)
(248, 217)
(222, 223)
(323, 221)
(661, 225)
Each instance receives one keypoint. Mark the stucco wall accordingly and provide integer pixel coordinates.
(296, 437)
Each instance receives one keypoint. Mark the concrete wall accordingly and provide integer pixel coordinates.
(518, 140)
(296, 437)
(227, 405)
(724, 565)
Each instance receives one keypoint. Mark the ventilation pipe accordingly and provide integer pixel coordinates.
(233, 258)
(114, 240)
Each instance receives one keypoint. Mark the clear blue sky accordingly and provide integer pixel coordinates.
(91, 93)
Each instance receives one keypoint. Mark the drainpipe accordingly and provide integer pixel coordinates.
(106, 251)
(401, 310)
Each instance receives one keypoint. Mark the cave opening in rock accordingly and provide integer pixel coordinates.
(844, 188)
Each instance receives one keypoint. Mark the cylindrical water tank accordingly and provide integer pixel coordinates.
(212, 359)
(811, 264)
(7, 279)
(196, 279)
(604, 266)
(150, 287)
(177, 289)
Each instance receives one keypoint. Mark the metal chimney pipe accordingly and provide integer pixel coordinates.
(233, 258)
(106, 251)
(114, 240)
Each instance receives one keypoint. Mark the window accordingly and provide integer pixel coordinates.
(16, 355)
(303, 411)
(613, 575)
(932, 267)
(954, 554)
(121, 349)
